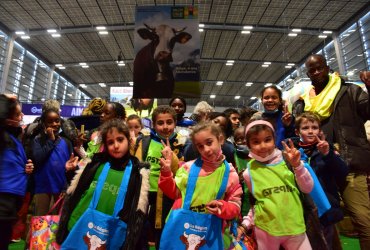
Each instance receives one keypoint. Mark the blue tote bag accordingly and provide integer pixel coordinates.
(95, 229)
(186, 229)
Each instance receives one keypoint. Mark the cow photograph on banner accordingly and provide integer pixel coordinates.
(167, 48)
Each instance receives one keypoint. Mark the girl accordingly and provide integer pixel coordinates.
(14, 166)
(206, 191)
(110, 111)
(114, 186)
(50, 152)
(277, 114)
(182, 123)
(277, 212)
(134, 125)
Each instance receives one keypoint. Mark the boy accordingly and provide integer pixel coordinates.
(149, 149)
(330, 169)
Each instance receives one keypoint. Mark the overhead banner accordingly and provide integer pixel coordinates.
(143, 107)
(167, 48)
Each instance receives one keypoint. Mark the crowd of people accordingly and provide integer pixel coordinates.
(266, 179)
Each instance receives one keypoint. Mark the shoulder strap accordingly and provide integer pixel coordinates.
(145, 146)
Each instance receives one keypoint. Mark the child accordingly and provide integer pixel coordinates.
(14, 166)
(330, 169)
(277, 114)
(123, 198)
(183, 124)
(135, 126)
(149, 149)
(277, 212)
(206, 191)
(50, 152)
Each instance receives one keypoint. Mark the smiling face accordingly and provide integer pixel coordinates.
(317, 70)
(270, 99)
(207, 144)
(52, 120)
(164, 125)
(308, 131)
(116, 143)
(262, 143)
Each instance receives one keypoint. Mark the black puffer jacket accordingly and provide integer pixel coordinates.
(136, 201)
(346, 125)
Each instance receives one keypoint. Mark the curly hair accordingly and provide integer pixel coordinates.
(95, 107)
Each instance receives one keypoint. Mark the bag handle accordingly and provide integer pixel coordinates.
(192, 179)
(61, 198)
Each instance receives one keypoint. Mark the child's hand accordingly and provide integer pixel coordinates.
(322, 145)
(29, 167)
(50, 133)
(72, 162)
(287, 117)
(214, 207)
(133, 138)
(291, 154)
(167, 153)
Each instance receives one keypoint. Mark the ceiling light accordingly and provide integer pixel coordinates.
(20, 32)
(229, 64)
(83, 86)
(58, 65)
(25, 85)
(52, 31)
(82, 63)
(69, 94)
(289, 80)
(61, 67)
(201, 30)
(359, 55)
(265, 65)
(292, 34)
(291, 64)
(85, 66)
(212, 96)
(246, 31)
(237, 97)
(248, 27)
(201, 25)
(351, 73)
(55, 35)
(100, 27)
(323, 36)
(25, 37)
(253, 98)
(103, 32)
(296, 30)
(268, 84)
(16, 60)
(248, 84)
(131, 83)
(219, 83)
(121, 64)
(102, 84)
(230, 61)
(288, 66)
(327, 32)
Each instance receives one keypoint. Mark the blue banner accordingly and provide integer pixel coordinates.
(66, 110)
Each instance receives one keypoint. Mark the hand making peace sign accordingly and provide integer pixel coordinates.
(291, 154)
(322, 145)
(167, 153)
(287, 117)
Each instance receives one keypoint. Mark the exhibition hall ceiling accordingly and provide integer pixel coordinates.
(222, 39)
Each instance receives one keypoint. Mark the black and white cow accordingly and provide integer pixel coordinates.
(153, 77)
